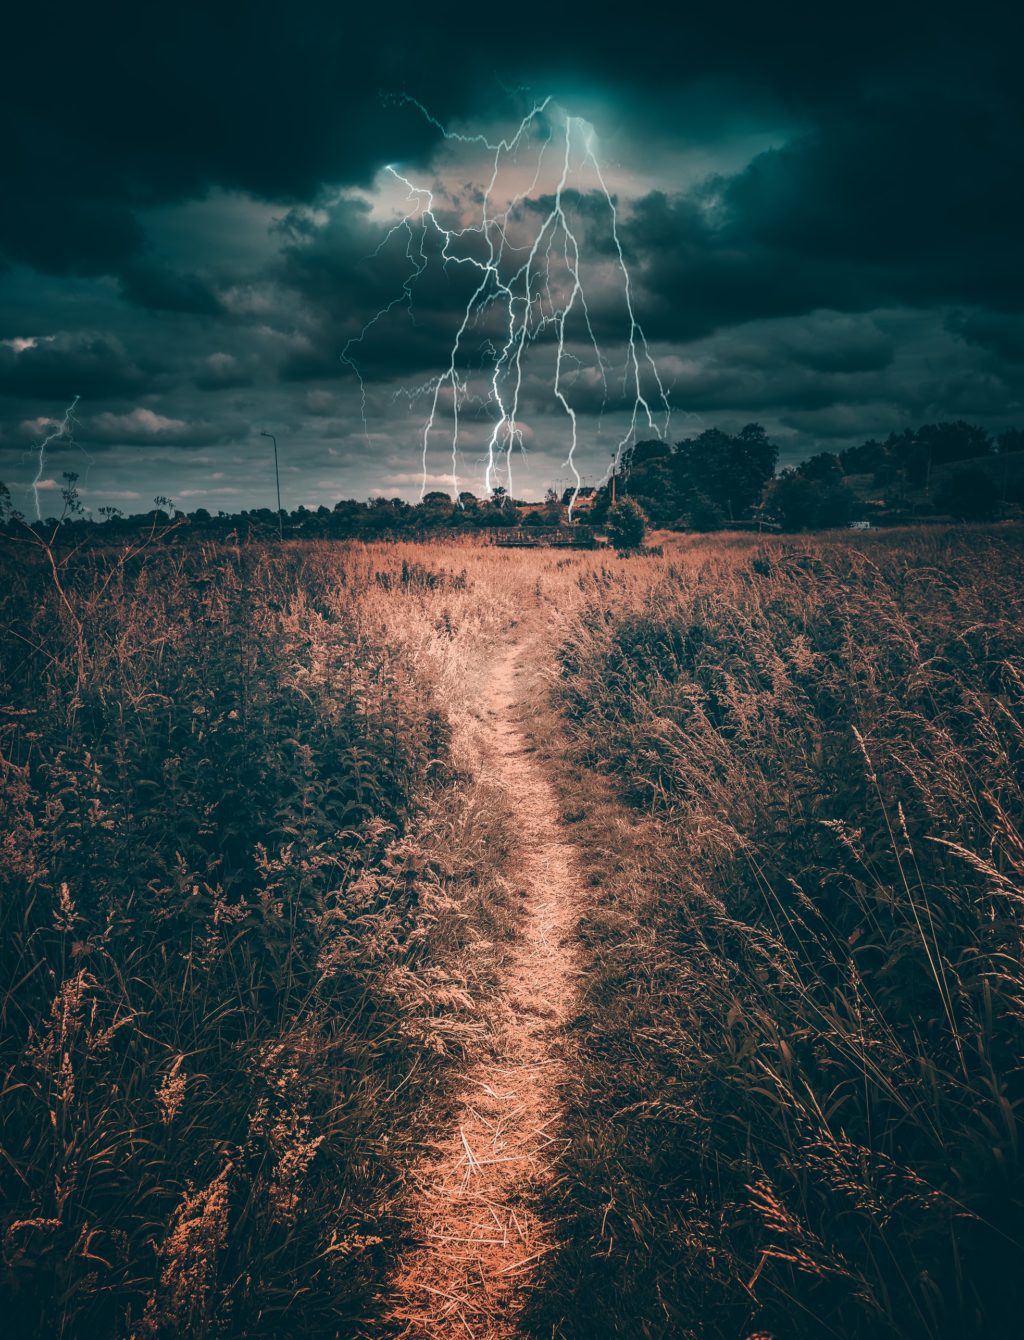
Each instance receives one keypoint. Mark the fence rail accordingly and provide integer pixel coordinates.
(540, 537)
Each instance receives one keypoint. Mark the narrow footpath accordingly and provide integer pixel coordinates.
(478, 1241)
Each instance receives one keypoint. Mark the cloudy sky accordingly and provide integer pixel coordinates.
(819, 208)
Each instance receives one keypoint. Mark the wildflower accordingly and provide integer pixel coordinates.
(189, 1257)
(171, 1093)
(296, 1147)
(66, 914)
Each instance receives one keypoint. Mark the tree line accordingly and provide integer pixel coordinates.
(717, 479)
(707, 482)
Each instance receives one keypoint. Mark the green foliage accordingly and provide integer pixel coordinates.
(824, 468)
(701, 483)
(731, 471)
(702, 515)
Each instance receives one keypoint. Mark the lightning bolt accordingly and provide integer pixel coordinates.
(65, 432)
(535, 284)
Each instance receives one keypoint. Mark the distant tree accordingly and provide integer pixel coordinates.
(382, 516)
(598, 513)
(957, 441)
(1010, 440)
(496, 510)
(8, 513)
(941, 444)
(864, 459)
(730, 471)
(347, 518)
(757, 454)
(836, 505)
(645, 474)
(552, 508)
(904, 458)
(504, 504)
(626, 524)
(799, 503)
(701, 465)
(434, 509)
(642, 453)
(792, 500)
(701, 514)
(824, 468)
(969, 494)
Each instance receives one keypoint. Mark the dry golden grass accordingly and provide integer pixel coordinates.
(253, 903)
(796, 772)
(260, 896)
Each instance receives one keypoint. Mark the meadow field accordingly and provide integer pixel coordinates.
(431, 939)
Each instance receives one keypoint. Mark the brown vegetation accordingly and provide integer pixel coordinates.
(797, 1099)
(250, 896)
(263, 929)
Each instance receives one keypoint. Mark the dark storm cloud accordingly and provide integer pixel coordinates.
(93, 366)
(222, 372)
(140, 424)
(345, 270)
(808, 363)
(160, 289)
(865, 268)
(899, 199)
(124, 107)
(1000, 333)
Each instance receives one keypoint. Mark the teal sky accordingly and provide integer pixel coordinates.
(819, 213)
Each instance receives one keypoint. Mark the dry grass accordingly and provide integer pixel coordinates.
(797, 1101)
(258, 900)
(252, 908)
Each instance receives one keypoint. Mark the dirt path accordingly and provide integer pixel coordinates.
(478, 1240)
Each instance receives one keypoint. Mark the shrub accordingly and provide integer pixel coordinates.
(626, 524)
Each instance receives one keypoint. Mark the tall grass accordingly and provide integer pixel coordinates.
(250, 897)
(256, 888)
(797, 1104)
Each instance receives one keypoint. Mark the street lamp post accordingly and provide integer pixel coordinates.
(277, 480)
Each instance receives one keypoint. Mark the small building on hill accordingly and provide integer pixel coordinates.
(585, 499)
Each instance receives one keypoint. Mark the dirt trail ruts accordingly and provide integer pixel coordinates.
(478, 1240)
